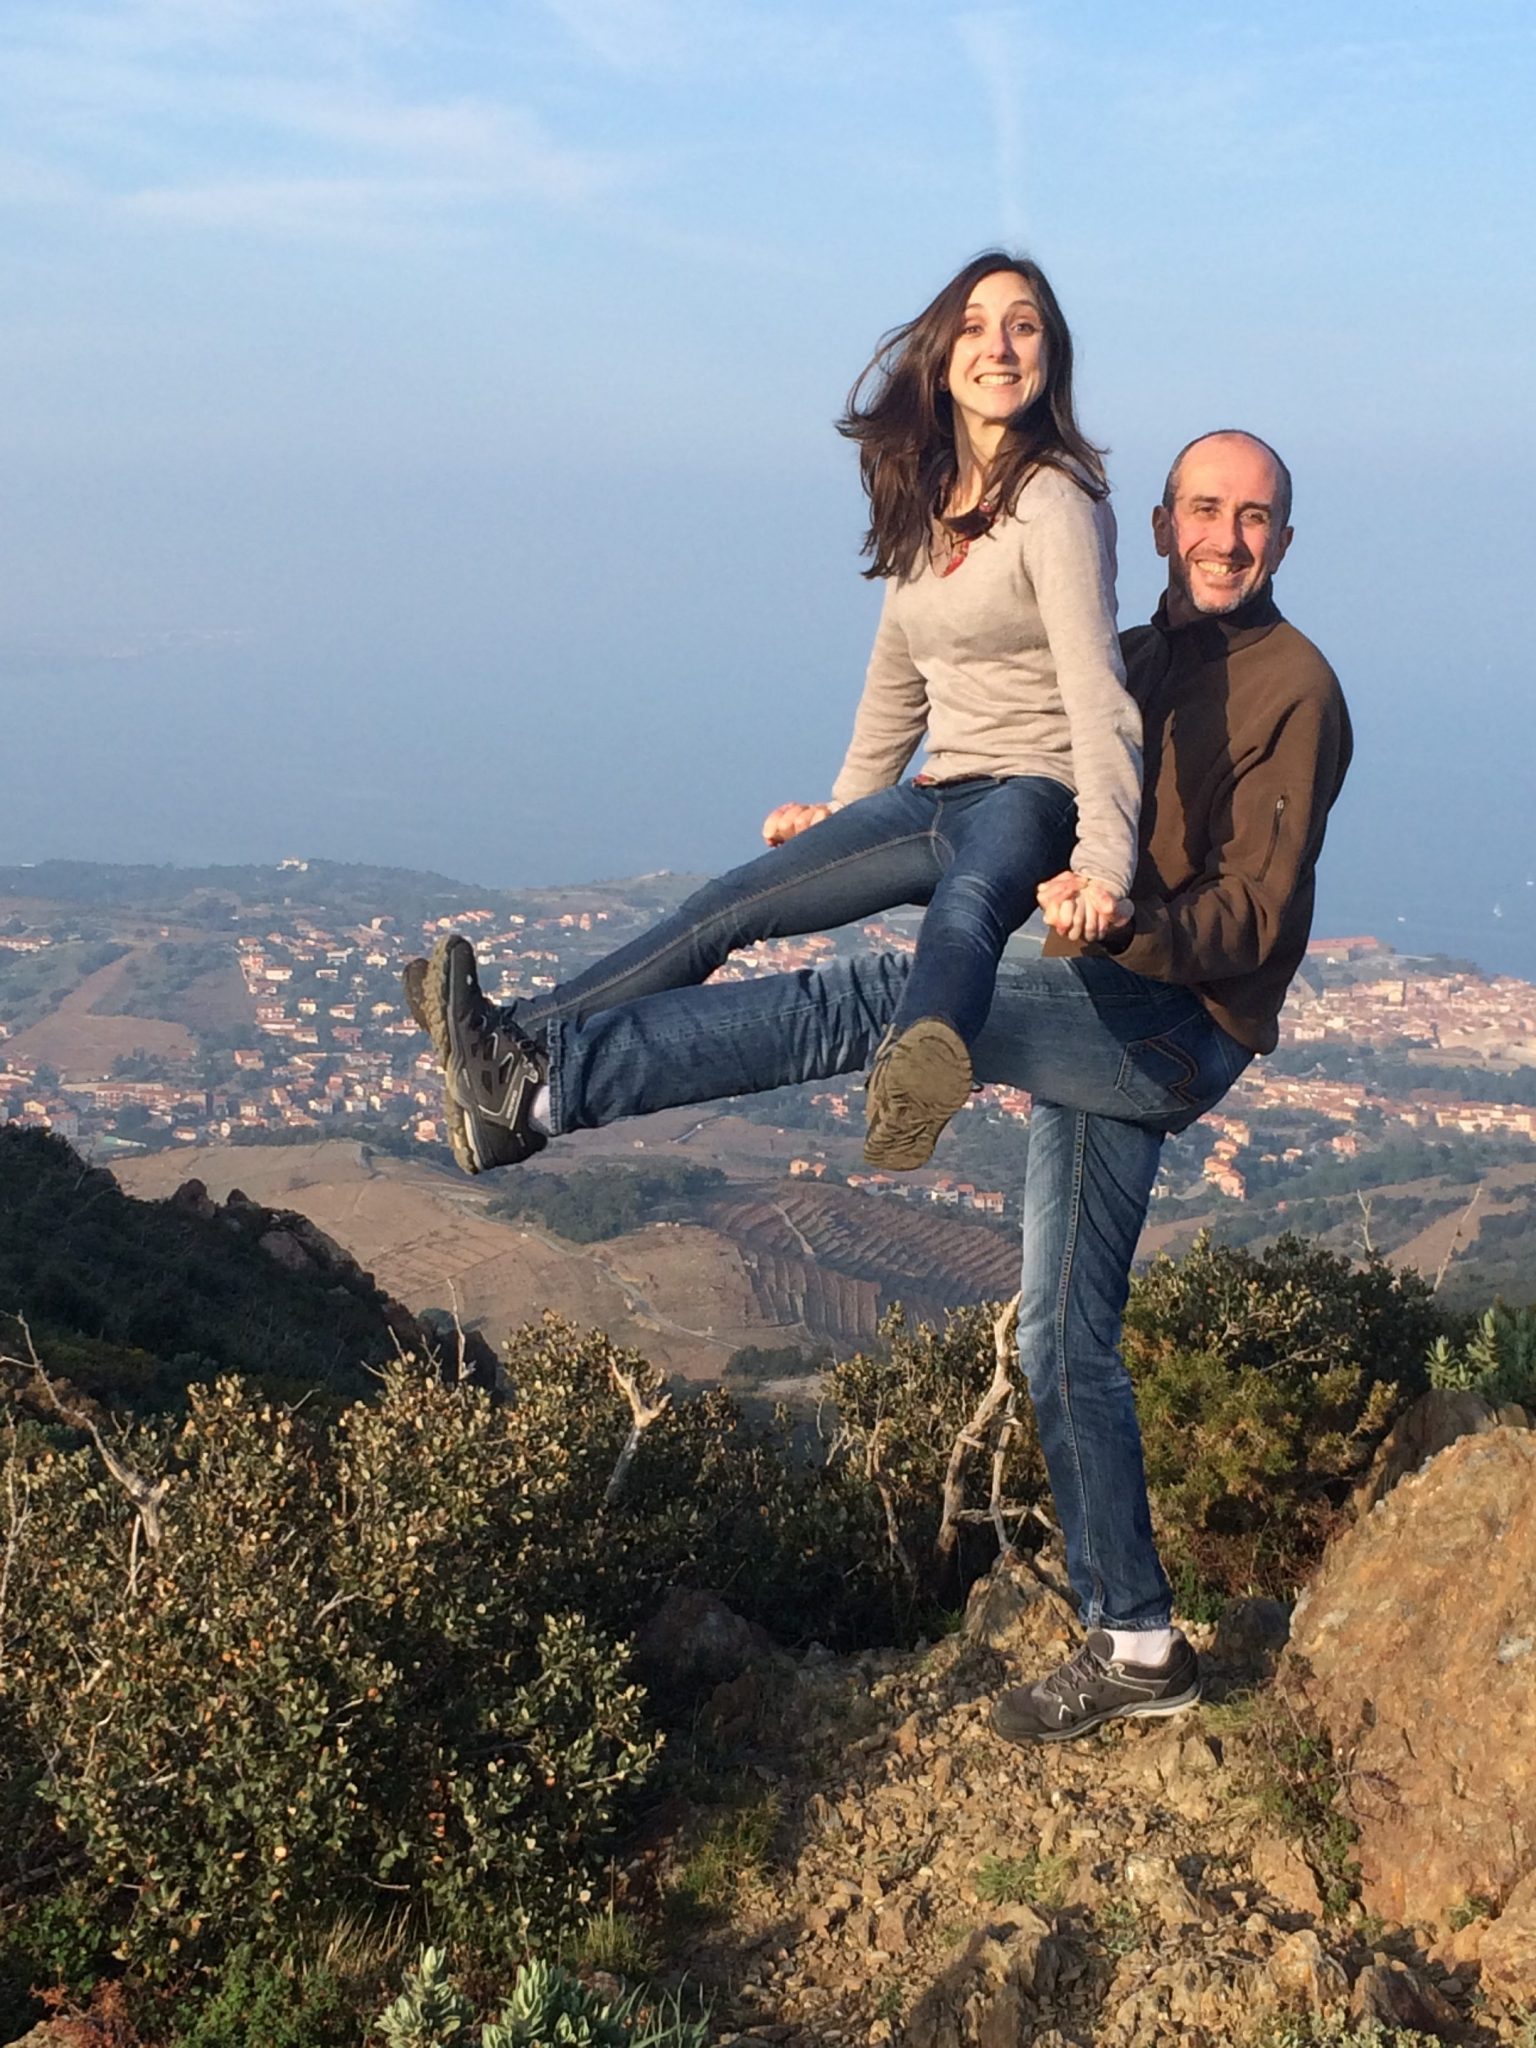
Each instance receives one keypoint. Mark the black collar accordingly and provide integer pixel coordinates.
(1213, 635)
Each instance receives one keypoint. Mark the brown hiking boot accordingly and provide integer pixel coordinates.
(917, 1083)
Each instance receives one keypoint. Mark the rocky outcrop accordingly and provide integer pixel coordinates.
(994, 1993)
(1425, 1428)
(1505, 1949)
(1021, 1609)
(1250, 1636)
(1415, 1649)
(694, 1642)
(299, 1246)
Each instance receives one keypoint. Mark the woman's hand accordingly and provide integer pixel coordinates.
(1079, 907)
(789, 820)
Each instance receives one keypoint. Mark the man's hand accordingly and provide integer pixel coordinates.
(789, 820)
(1080, 908)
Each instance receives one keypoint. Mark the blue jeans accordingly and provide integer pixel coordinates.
(975, 852)
(1114, 1062)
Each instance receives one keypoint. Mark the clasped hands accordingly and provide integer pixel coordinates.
(1073, 906)
(1078, 907)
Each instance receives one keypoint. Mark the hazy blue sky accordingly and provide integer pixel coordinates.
(417, 442)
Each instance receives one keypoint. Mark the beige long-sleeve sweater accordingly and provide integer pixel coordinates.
(1012, 666)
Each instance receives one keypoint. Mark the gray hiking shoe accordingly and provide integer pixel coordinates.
(917, 1083)
(491, 1072)
(1092, 1688)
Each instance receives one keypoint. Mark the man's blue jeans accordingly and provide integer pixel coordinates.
(975, 852)
(1114, 1063)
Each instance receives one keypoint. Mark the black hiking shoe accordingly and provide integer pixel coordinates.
(1092, 1688)
(491, 1072)
(917, 1083)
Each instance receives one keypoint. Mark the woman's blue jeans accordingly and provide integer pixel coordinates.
(975, 852)
(1114, 1062)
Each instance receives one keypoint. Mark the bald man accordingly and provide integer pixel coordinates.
(1120, 1043)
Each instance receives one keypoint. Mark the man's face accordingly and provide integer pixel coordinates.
(1221, 541)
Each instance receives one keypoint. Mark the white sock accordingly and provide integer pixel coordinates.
(539, 1114)
(1141, 1645)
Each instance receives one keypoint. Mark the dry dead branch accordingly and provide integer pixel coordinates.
(644, 1409)
(878, 1480)
(17, 1508)
(1451, 1249)
(145, 1495)
(996, 1507)
(973, 1436)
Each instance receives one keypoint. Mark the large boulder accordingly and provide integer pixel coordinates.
(694, 1642)
(1424, 1429)
(1415, 1649)
(1506, 1951)
(1019, 1610)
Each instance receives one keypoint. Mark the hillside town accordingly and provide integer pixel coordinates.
(317, 1040)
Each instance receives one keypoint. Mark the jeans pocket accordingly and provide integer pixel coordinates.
(1174, 1076)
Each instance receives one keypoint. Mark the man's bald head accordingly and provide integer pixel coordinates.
(1282, 474)
(1224, 524)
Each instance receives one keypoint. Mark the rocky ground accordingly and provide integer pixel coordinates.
(1162, 1881)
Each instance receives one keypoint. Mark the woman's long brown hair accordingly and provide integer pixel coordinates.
(904, 424)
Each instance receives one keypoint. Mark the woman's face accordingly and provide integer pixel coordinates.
(997, 365)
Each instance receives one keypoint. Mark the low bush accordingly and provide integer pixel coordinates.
(1497, 1359)
(333, 1678)
(547, 2009)
(900, 1408)
(1264, 1384)
(712, 1501)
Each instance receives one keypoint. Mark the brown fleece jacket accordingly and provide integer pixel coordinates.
(1246, 740)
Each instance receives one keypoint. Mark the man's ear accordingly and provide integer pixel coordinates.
(1281, 546)
(1162, 531)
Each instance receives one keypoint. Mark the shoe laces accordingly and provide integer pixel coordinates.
(1068, 1681)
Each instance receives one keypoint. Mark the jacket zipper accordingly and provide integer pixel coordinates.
(1274, 835)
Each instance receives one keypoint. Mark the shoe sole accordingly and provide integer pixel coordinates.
(434, 992)
(414, 978)
(917, 1085)
(1151, 1710)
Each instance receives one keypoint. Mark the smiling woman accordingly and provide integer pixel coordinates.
(990, 526)
(953, 410)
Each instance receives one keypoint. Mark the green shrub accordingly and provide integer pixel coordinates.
(729, 1854)
(900, 1408)
(598, 1202)
(1264, 1384)
(1034, 1880)
(712, 1501)
(335, 1678)
(255, 2003)
(1497, 1360)
(430, 2012)
(547, 2009)
(1313, 2032)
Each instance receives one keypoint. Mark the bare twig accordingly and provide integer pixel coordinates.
(1461, 1223)
(1366, 1244)
(145, 1496)
(973, 1436)
(17, 1508)
(644, 1410)
(996, 1508)
(464, 1374)
(877, 1478)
